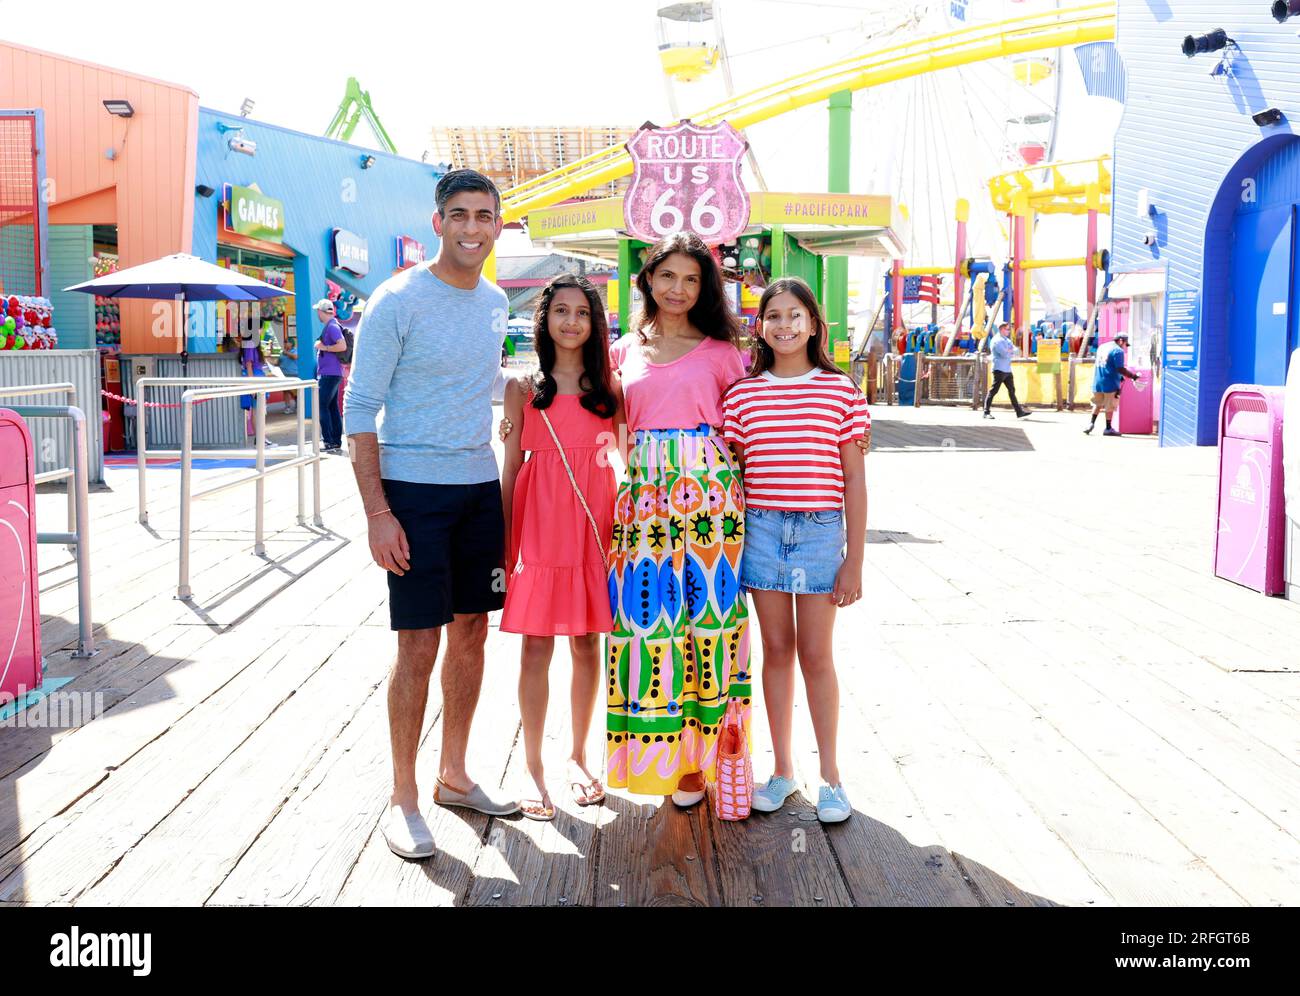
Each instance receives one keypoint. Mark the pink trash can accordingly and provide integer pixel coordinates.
(1249, 544)
(1137, 405)
(20, 619)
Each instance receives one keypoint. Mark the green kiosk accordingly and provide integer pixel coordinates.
(808, 235)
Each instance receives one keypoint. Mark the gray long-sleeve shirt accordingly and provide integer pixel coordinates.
(426, 356)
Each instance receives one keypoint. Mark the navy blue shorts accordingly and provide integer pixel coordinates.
(456, 533)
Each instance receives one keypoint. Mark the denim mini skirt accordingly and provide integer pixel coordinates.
(798, 552)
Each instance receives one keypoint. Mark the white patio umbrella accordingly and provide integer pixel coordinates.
(184, 278)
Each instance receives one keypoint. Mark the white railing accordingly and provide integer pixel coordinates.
(77, 538)
(63, 473)
(201, 389)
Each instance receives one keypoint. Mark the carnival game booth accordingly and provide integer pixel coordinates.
(318, 217)
(789, 235)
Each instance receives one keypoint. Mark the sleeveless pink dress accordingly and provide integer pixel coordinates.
(558, 583)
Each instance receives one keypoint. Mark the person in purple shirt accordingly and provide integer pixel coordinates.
(329, 374)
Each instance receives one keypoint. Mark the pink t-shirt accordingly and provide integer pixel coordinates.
(682, 394)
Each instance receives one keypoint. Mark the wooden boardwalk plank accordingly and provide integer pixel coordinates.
(157, 766)
(220, 816)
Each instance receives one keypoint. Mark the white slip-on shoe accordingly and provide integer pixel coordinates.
(684, 800)
(406, 834)
(474, 798)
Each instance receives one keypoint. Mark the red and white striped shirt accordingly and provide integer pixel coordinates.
(792, 429)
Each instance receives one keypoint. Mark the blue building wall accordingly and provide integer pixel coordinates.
(323, 187)
(1188, 138)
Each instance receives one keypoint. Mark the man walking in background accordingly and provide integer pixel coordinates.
(1002, 349)
(329, 374)
(1109, 371)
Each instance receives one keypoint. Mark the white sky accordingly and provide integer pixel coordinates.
(546, 62)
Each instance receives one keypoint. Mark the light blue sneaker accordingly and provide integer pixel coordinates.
(771, 795)
(833, 804)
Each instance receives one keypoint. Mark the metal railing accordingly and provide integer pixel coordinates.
(950, 380)
(62, 473)
(964, 380)
(77, 538)
(201, 389)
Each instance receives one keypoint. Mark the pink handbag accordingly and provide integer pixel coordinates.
(734, 792)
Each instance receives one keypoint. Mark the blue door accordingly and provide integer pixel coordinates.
(1293, 340)
(1260, 327)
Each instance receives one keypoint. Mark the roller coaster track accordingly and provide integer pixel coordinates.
(1031, 33)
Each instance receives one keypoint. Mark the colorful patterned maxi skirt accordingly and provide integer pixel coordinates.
(679, 649)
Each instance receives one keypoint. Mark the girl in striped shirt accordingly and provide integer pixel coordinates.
(793, 423)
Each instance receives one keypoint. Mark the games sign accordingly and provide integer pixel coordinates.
(686, 177)
(409, 251)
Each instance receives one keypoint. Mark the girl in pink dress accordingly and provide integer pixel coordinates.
(559, 509)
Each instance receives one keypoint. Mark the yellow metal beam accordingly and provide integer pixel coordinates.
(1062, 194)
(1014, 36)
(1048, 264)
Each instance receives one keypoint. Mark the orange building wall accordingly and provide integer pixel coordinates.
(147, 191)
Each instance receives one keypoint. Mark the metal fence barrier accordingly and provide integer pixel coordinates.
(964, 380)
(77, 538)
(201, 389)
(63, 473)
(950, 380)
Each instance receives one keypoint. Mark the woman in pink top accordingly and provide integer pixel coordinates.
(679, 649)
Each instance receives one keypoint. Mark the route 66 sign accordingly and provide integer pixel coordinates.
(686, 177)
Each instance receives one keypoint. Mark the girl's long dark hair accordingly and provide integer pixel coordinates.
(817, 353)
(597, 391)
(710, 314)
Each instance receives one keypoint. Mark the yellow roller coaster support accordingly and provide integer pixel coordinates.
(1048, 264)
(1072, 187)
(1015, 36)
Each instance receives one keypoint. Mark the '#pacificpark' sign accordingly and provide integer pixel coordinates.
(250, 212)
(351, 252)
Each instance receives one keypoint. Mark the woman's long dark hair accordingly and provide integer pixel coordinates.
(597, 392)
(817, 353)
(710, 314)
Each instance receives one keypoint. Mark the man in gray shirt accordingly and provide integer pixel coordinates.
(418, 413)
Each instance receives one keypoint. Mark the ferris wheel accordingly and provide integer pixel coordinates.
(957, 128)
(927, 141)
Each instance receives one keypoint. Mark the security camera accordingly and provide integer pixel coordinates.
(244, 145)
(1150, 239)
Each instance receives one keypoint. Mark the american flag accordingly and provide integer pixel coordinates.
(921, 290)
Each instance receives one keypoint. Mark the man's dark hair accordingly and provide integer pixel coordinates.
(460, 180)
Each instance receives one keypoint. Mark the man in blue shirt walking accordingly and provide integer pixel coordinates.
(1002, 349)
(1109, 370)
